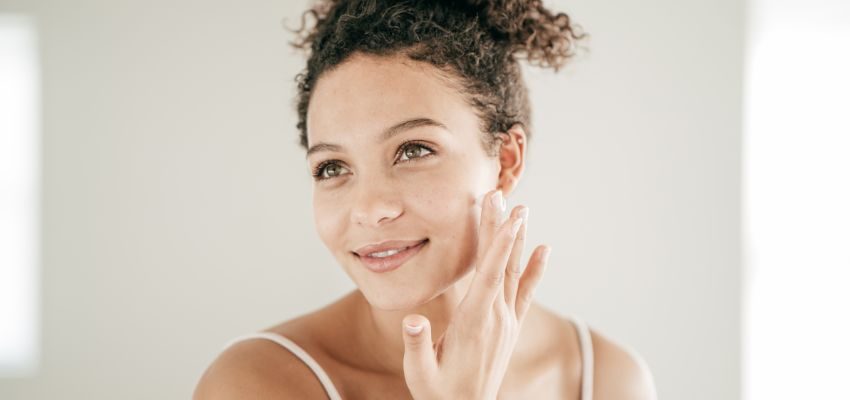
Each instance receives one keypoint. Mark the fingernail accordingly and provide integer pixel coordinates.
(523, 214)
(497, 200)
(545, 255)
(515, 226)
(413, 329)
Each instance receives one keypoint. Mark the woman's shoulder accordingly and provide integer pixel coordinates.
(256, 368)
(618, 371)
(261, 368)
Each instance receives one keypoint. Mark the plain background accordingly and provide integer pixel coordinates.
(176, 208)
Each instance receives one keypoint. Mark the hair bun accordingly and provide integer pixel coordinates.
(532, 31)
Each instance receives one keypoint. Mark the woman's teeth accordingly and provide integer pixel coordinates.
(382, 254)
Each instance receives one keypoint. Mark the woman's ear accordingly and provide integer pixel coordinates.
(511, 157)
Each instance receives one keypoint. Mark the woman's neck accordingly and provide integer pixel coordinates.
(380, 336)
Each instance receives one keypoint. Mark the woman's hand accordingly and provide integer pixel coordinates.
(470, 359)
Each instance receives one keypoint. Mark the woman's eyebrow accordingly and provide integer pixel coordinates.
(407, 125)
(384, 136)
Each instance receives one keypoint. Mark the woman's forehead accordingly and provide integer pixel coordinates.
(369, 93)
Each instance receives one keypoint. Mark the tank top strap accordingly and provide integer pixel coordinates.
(586, 346)
(299, 352)
(581, 327)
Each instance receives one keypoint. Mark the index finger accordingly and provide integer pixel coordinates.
(492, 208)
(489, 277)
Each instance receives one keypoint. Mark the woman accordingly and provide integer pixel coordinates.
(415, 121)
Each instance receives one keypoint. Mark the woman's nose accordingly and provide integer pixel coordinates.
(374, 206)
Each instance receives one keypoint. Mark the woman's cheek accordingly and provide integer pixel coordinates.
(451, 206)
(328, 222)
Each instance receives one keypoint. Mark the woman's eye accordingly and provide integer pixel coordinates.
(408, 152)
(328, 170)
(413, 150)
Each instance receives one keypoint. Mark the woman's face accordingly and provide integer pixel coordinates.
(413, 183)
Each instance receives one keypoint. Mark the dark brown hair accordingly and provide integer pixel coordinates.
(475, 42)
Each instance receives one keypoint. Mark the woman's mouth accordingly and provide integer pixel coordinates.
(390, 259)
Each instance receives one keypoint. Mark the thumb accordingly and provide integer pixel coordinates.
(420, 362)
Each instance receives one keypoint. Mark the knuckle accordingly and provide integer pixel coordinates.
(494, 278)
(502, 315)
(416, 342)
(520, 234)
(527, 296)
(507, 242)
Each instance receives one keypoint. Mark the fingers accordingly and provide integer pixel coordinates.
(420, 361)
(492, 209)
(513, 270)
(490, 275)
(530, 279)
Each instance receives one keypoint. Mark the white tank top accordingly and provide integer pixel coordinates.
(581, 328)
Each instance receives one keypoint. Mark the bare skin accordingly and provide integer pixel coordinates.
(368, 195)
(546, 363)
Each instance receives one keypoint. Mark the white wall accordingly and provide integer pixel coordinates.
(177, 212)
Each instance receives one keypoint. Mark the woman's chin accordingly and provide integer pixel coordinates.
(395, 299)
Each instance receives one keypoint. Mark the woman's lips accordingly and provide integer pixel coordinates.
(392, 262)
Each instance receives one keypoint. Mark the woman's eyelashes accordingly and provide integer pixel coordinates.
(405, 151)
(408, 151)
(321, 169)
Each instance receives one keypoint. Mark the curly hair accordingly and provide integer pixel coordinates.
(475, 43)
